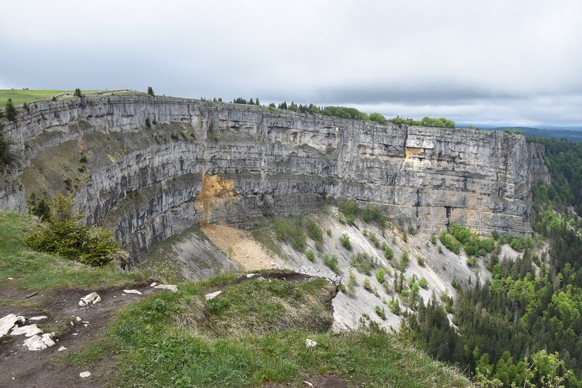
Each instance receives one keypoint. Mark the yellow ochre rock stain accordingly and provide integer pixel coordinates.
(215, 190)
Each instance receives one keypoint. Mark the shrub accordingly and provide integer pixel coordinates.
(372, 213)
(420, 261)
(291, 231)
(345, 241)
(63, 233)
(388, 253)
(450, 242)
(456, 283)
(352, 283)
(11, 112)
(363, 262)
(349, 209)
(77, 93)
(380, 275)
(150, 91)
(380, 311)
(314, 231)
(433, 239)
(404, 260)
(310, 255)
(394, 306)
(367, 285)
(423, 283)
(331, 262)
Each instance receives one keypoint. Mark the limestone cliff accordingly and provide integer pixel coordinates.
(150, 167)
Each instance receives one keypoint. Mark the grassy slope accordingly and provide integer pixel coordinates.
(254, 332)
(40, 271)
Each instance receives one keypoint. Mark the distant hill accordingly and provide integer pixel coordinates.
(567, 133)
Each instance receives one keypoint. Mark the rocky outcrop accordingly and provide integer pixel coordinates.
(151, 167)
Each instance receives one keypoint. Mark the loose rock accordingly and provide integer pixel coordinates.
(84, 375)
(90, 299)
(28, 330)
(212, 295)
(39, 318)
(39, 343)
(8, 322)
(61, 349)
(136, 292)
(310, 343)
(170, 287)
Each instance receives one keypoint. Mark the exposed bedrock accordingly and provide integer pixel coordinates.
(151, 167)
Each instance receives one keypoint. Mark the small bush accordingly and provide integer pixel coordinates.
(420, 261)
(352, 283)
(363, 262)
(345, 241)
(310, 255)
(331, 262)
(380, 311)
(388, 253)
(63, 233)
(11, 112)
(349, 209)
(394, 306)
(367, 285)
(456, 283)
(380, 275)
(433, 239)
(404, 261)
(373, 213)
(450, 242)
(423, 283)
(314, 231)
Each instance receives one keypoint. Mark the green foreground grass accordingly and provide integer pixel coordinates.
(252, 333)
(34, 271)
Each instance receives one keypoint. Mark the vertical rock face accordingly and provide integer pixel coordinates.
(150, 167)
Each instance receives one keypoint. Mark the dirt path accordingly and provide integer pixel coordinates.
(241, 247)
(20, 367)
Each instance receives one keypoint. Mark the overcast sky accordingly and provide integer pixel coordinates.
(515, 62)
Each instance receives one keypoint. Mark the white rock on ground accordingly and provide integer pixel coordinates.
(36, 342)
(8, 322)
(212, 295)
(28, 330)
(84, 375)
(87, 300)
(39, 318)
(170, 287)
(310, 343)
(136, 292)
(61, 349)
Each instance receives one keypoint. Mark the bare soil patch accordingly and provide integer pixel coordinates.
(240, 246)
(20, 367)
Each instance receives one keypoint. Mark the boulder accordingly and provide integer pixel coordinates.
(28, 330)
(87, 300)
(8, 322)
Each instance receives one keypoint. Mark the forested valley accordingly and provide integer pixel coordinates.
(523, 327)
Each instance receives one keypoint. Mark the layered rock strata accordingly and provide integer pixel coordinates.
(151, 167)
